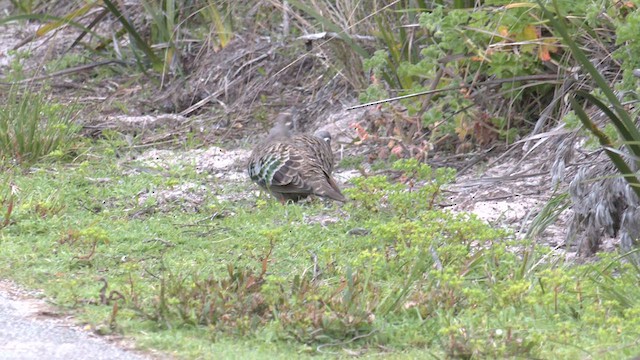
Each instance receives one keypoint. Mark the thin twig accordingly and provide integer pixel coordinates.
(476, 159)
(451, 88)
(332, 35)
(318, 349)
(285, 19)
(64, 72)
(436, 258)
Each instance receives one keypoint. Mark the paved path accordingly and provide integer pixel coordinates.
(25, 335)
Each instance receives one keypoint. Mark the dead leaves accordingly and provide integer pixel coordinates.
(394, 134)
(528, 40)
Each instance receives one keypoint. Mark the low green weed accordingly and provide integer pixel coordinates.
(16, 67)
(388, 273)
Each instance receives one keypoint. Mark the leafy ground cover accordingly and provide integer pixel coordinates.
(387, 273)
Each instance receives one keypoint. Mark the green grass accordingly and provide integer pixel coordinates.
(32, 127)
(265, 280)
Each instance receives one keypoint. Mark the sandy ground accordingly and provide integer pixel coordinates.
(32, 329)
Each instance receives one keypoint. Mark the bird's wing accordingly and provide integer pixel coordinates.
(318, 166)
(278, 167)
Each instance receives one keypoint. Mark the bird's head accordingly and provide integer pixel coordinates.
(324, 135)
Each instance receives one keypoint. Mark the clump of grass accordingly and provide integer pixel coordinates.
(32, 127)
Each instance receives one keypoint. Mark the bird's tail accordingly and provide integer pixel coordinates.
(332, 191)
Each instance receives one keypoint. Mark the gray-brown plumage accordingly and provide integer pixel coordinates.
(292, 167)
